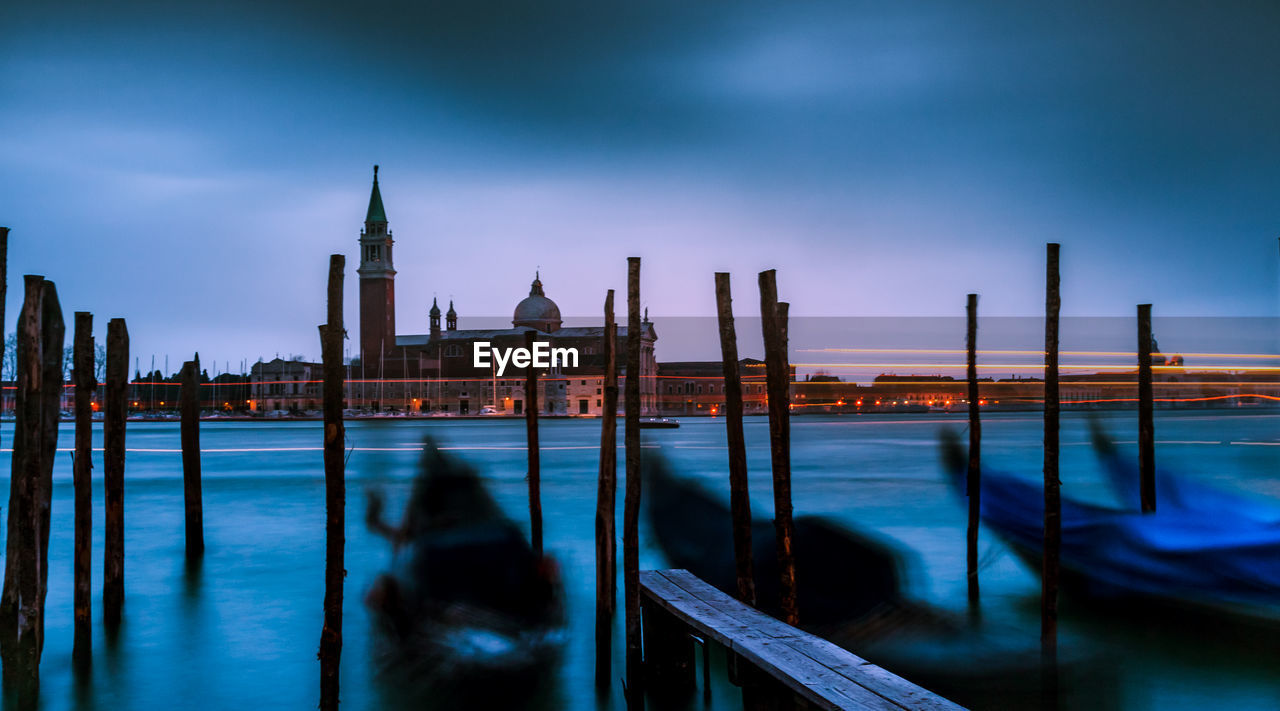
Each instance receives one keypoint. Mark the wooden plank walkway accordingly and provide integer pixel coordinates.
(827, 676)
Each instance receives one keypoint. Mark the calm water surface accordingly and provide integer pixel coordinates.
(245, 630)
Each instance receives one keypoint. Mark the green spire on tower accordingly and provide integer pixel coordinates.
(376, 212)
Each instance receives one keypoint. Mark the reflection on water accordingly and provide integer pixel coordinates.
(244, 627)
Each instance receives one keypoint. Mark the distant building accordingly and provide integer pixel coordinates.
(284, 385)
(434, 372)
(377, 281)
(697, 387)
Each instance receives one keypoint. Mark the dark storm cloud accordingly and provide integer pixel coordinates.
(910, 152)
(1161, 89)
(1118, 98)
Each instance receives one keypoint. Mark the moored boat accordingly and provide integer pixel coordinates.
(1175, 494)
(1203, 559)
(466, 602)
(850, 591)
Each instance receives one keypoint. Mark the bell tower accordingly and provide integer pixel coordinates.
(377, 282)
(434, 319)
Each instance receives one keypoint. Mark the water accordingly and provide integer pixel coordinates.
(246, 629)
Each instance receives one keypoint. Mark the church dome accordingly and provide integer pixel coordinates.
(536, 310)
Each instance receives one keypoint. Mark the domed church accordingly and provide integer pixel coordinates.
(536, 310)
(434, 372)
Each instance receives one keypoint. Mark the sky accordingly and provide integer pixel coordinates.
(191, 168)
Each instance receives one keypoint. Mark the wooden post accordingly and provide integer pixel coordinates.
(1146, 423)
(82, 477)
(18, 606)
(631, 500)
(190, 405)
(115, 410)
(4, 288)
(331, 335)
(8, 596)
(1052, 500)
(739, 497)
(773, 315)
(26, 472)
(52, 343)
(606, 498)
(974, 483)
(760, 691)
(531, 436)
(668, 646)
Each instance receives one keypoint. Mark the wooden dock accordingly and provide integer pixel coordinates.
(790, 662)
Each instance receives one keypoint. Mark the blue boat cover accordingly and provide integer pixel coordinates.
(1202, 545)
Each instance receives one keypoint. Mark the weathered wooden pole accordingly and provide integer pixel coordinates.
(1052, 499)
(739, 497)
(974, 479)
(606, 500)
(531, 435)
(331, 335)
(4, 287)
(115, 410)
(53, 341)
(190, 406)
(82, 477)
(773, 315)
(1146, 419)
(8, 596)
(669, 658)
(631, 500)
(19, 607)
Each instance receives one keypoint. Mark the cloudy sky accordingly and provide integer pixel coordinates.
(191, 169)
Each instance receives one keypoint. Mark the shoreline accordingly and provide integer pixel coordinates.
(1243, 411)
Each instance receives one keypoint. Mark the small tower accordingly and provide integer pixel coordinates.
(451, 318)
(377, 281)
(434, 318)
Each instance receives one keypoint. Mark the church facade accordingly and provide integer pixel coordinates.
(433, 372)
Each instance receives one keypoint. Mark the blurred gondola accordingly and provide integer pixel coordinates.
(850, 592)
(466, 603)
(1203, 551)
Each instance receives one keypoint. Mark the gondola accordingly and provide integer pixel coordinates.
(466, 601)
(1198, 557)
(1175, 494)
(850, 592)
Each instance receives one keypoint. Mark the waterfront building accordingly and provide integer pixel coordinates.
(434, 372)
(284, 386)
(697, 387)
